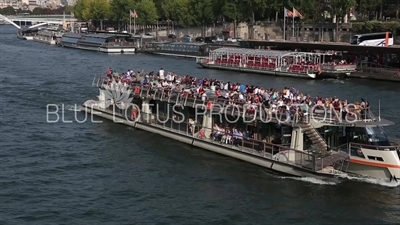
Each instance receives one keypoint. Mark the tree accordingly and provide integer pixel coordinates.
(120, 9)
(8, 11)
(202, 12)
(231, 10)
(37, 11)
(68, 9)
(180, 12)
(340, 8)
(79, 9)
(147, 12)
(97, 10)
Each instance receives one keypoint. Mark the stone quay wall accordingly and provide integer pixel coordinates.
(269, 31)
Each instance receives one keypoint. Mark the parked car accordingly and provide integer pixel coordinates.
(210, 39)
(173, 36)
(199, 39)
(187, 38)
(231, 40)
(218, 39)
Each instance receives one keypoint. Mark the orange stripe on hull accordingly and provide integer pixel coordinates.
(377, 164)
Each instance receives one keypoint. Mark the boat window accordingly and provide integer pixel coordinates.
(375, 158)
(354, 40)
(377, 135)
(94, 40)
(69, 39)
(368, 135)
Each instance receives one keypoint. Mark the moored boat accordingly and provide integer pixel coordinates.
(27, 33)
(305, 142)
(277, 63)
(48, 36)
(181, 49)
(119, 43)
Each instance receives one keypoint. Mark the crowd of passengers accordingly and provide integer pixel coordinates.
(289, 101)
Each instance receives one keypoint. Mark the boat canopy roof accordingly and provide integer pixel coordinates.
(253, 52)
(76, 35)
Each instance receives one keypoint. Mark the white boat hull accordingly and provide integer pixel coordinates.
(113, 50)
(174, 55)
(255, 70)
(217, 148)
(51, 42)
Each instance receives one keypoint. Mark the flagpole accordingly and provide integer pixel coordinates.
(134, 25)
(293, 21)
(284, 24)
(130, 22)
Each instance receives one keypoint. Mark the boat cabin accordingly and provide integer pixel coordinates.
(178, 48)
(27, 31)
(98, 39)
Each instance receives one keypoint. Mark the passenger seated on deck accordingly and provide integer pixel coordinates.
(237, 138)
(217, 134)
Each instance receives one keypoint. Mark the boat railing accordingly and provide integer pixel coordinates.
(394, 141)
(195, 129)
(358, 146)
(251, 112)
(338, 67)
(99, 80)
(202, 60)
(333, 116)
(240, 108)
(118, 44)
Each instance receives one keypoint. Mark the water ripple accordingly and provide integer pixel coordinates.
(105, 173)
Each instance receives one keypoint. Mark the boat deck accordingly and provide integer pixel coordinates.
(328, 161)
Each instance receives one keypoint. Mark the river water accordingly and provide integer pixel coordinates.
(106, 173)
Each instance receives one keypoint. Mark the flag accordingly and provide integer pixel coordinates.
(288, 13)
(297, 13)
(133, 14)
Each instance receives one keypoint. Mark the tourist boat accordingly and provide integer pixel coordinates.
(50, 36)
(316, 145)
(181, 49)
(101, 42)
(27, 33)
(277, 63)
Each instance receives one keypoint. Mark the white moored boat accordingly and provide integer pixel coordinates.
(27, 33)
(277, 63)
(51, 36)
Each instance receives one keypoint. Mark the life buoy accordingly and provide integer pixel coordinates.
(209, 105)
(360, 153)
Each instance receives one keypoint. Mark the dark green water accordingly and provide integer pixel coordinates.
(105, 173)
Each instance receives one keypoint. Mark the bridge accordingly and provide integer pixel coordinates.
(37, 20)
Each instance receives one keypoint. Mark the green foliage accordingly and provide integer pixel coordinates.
(120, 9)
(375, 26)
(207, 12)
(341, 7)
(147, 11)
(7, 11)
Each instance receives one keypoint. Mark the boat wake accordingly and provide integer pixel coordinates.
(73, 108)
(369, 180)
(310, 180)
